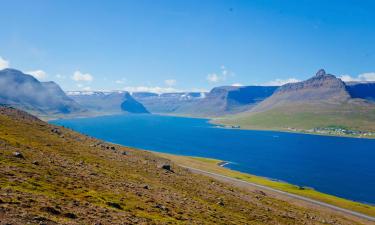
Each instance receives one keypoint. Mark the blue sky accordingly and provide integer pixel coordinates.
(186, 45)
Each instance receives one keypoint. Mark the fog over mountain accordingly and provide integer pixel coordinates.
(25, 92)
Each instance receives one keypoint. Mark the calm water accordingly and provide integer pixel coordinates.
(343, 167)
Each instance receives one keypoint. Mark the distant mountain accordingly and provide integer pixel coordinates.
(365, 90)
(322, 87)
(321, 101)
(131, 105)
(107, 102)
(228, 100)
(219, 101)
(25, 92)
(167, 102)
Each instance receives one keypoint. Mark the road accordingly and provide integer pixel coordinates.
(249, 184)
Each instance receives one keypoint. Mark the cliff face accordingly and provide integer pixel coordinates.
(364, 90)
(131, 105)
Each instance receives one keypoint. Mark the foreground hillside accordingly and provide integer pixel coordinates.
(52, 175)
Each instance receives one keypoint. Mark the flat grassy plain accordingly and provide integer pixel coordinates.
(63, 177)
(211, 165)
(305, 117)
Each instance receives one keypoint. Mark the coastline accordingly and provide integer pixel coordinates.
(238, 127)
(216, 166)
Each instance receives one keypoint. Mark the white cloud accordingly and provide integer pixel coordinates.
(170, 82)
(4, 63)
(79, 76)
(237, 85)
(38, 74)
(361, 77)
(220, 76)
(86, 88)
(279, 82)
(121, 81)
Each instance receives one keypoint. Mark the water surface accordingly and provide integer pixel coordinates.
(344, 167)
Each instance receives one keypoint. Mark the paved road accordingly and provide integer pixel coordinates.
(246, 183)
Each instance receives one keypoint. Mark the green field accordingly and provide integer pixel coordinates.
(302, 117)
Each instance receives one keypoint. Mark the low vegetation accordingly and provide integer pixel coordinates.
(212, 165)
(52, 175)
(307, 117)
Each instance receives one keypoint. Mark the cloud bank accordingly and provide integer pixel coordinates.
(3, 63)
(79, 76)
(361, 77)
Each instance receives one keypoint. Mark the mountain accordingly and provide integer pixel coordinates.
(320, 102)
(52, 175)
(228, 100)
(107, 102)
(364, 90)
(131, 105)
(25, 92)
(320, 88)
(219, 101)
(166, 102)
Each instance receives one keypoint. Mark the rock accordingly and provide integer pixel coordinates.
(260, 192)
(124, 153)
(162, 207)
(51, 210)
(146, 187)
(113, 148)
(114, 205)
(18, 155)
(35, 163)
(321, 73)
(167, 167)
(70, 215)
(56, 131)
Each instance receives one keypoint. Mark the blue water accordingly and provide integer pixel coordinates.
(344, 167)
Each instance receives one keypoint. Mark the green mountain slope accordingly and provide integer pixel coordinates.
(320, 104)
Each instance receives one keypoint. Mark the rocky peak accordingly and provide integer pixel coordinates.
(321, 73)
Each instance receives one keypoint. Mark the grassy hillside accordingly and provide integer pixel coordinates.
(304, 116)
(52, 175)
(211, 165)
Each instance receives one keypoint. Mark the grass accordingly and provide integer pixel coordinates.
(306, 116)
(211, 165)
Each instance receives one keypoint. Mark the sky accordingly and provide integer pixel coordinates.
(175, 45)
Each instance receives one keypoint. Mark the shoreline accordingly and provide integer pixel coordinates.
(224, 126)
(216, 166)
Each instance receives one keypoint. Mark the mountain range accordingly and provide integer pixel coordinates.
(321, 101)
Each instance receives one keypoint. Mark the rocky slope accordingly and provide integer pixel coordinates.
(25, 92)
(320, 88)
(52, 175)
